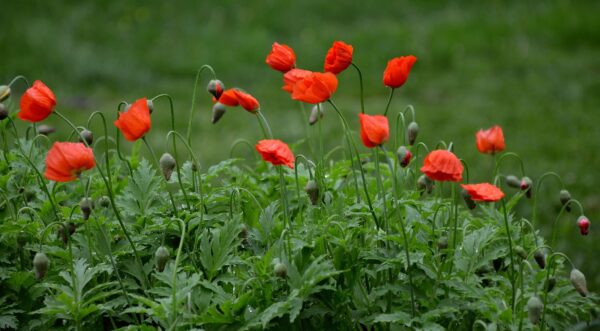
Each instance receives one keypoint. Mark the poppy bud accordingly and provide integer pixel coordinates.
(40, 263)
(578, 280)
(584, 225)
(45, 129)
(104, 201)
(4, 92)
(442, 243)
(167, 164)
(218, 110)
(280, 270)
(550, 284)
(243, 232)
(404, 156)
(150, 104)
(3, 112)
(540, 258)
(313, 191)
(424, 183)
(526, 184)
(86, 135)
(412, 132)
(520, 251)
(534, 309)
(216, 88)
(63, 235)
(22, 238)
(161, 257)
(468, 200)
(315, 114)
(513, 181)
(564, 197)
(86, 205)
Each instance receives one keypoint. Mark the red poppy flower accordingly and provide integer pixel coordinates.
(338, 58)
(228, 98)
(483, 192)
(491, 140)
(281, 58)
(291, 77)
(37, 103)
(397, 70)
(584, 225)
(135, 122)
(442, 165)
(247, 101)
(66, 160)
(374, 129)
(315, 88)
(276, 152)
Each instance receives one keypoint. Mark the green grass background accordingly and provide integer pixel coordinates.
(532, 67)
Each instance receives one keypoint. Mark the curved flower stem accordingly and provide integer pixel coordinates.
(400, 119)
(298, 157)
(362, 97)
(387, 107)
(261, 119)
(545, 289)
(158, 165)
(191, 116)
(240, 142)
(537, 191)
(562, 210)
(504, 156)
(17, 78)
(195, 163)
(174, 276)
(510, 249)
(466, 167)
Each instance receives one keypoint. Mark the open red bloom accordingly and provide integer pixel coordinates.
(483, 192)
(584, 225)
(276, 152)
(397, 70)
(315, 88)
(442, 165)
(135, 122)
(291, 77)
(374, 129)
(66, 160)
(282, 58)
(491, 140)
(338, 58)
(37, 103)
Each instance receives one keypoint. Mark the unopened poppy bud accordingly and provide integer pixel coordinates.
(70, 227)
(3, 112)
(40, 264)
(513, 181)
(316, 114)
(280, 270)
(520, 251)
(411, 132)
(87, 136)
(312, 189)
(161, 257)
(540, 258)
(167, 164)
(584, 225)
(534, 309)
(404, 156)
(526, 184)
(104, 201)
(424, 184)
(4, 92)
(86, 205)
(216, 88)
(578, 280)
(564, 197)
(150, 104)
(550, 284)
(45, 129)
(468, 200)
(442, 243)
(22, 238)
(218, 110)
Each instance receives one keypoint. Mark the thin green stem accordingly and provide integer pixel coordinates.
(387, 106)
(191, 115)
(510, 249)
(362, 97)
(158, 165)
(537, 191)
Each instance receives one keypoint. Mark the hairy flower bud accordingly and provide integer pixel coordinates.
(411, 132)
(104, 201)
(584, 225)
(161, 257)
(3, 112)
(45, 129)
(4, 92)
(87, 136)
(468, 200)
(218, 110)
(316, 114)
(578, 280)
(167, 164)
(86, 205)
(442, 243)
(404, 156)
(65, 235)
(520, 251)
(216, 88)
(40, 263)
(312, 189)
(513, 181)
(540, 258)
(525, 185)
(424, 184)
(534, 309)
(550, 284)
(22, 238)
(280, 270)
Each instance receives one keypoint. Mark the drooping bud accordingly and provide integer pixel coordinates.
(424, 184)
(584, 225)
(411, 132)
(468, 200)
(550, 284)
(4, 92)
(280, 270)
(150, 104)
(316, 114)
(86, 205)
(513, 181)
(218, 110)
(104, 201)
(578, 280)
(3, 112)
(167, 164)
(22, 238)
(86, 135)
(534, 309)
(442, 243)
(161, 257)
(404, 156)
(312, 189)
(520, 251)
(45, 129)
(70, 227)
(526, 184)
(540, 258)
(40, 264)
(216, 88)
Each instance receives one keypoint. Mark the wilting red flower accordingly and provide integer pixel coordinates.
(281, 58)
(37, 103)
(247, 101)
(228, 98)
(315, 88)
(397, 70)
(291, 77)
(491, 140)
(483, 192)
(65, 161)
(374, 129)
(135, 122)
(442, 165)
(584, 225)
(338, 58)
(276, 152)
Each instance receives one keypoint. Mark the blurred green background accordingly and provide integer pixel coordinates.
(532, 67)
